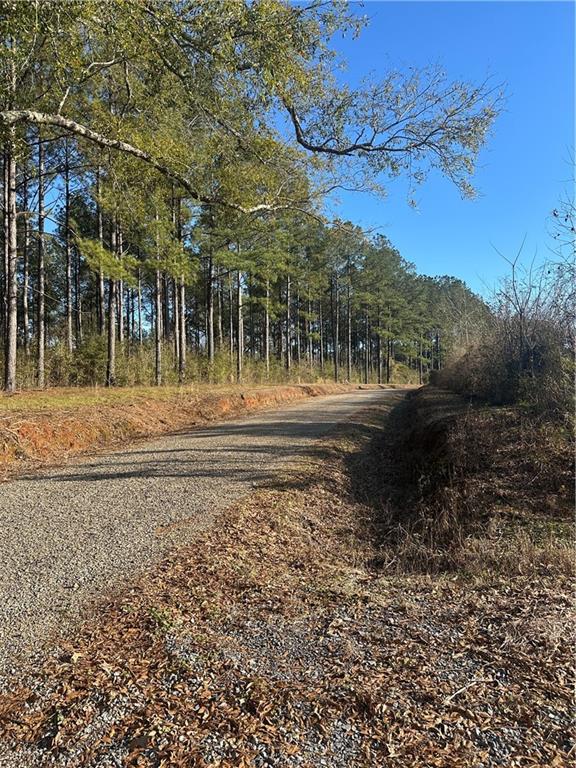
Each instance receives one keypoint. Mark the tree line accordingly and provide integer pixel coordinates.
(165, 167)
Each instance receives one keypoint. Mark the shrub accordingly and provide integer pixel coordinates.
(526, 357)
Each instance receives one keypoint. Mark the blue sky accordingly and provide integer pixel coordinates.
(525, 167)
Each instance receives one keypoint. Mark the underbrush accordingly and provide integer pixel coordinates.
(479, 490)
(135, 366)
(524, 355)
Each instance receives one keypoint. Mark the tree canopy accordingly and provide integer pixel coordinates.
(187, 132)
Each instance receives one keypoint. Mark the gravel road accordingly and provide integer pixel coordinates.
(67, 534)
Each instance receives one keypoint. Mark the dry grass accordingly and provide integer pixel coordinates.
(277, 641)
(486, 491)
(70, 398)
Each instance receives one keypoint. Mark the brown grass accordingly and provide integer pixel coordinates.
(481, 490)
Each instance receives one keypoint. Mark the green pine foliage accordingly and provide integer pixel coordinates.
(172, 165)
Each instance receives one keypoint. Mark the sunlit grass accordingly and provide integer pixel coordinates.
(63, 398)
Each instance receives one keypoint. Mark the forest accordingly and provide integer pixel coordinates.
(166, 168)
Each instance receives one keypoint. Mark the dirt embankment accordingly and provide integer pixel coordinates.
(34, 431)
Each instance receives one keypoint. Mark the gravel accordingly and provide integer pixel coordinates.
(68, 533)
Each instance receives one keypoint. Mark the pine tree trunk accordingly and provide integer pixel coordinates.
(41, 275)
(348, 330)
(379, 351)
(420, 350)
(239, 329)
(267, 329)
(367, 350)
(230, 319)
(336, 328)
(288, 334)
(220, 307)
(176, 305)
(210, 310)
(79, 328)
(310, 350)
(4, 275)
(182, 329)
(249, 342)
(280, 335)
(100, 218)
(158, 327)
(120, 289)
(11, 270)
(181, 301)
(165, 305)
(26, 272)
(68, 248)
(140, 330)
(111, 364)
(11, 252)
(321, 328)
(130, 322)
(298, 329)
(120, 311)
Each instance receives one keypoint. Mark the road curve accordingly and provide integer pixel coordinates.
(70, 532)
